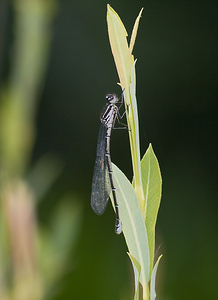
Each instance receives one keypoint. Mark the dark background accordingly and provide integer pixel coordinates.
(176, 51)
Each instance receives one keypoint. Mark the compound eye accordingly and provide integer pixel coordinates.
(109, 97)
(112, 98)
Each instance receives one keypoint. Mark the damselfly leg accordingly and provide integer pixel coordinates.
(102, 183)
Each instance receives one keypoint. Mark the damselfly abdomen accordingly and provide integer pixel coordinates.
(102, 182)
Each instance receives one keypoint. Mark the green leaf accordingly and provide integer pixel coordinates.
(133, 224)
(119, 46)
(137, 271)
(153, 279)
(134, 140)
(125, 65)
(151, 181)
(134, 31)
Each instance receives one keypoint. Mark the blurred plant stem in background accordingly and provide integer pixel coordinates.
(19, 271)
(19, 252)
(32, 20)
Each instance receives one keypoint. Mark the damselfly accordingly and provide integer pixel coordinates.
(102, 182)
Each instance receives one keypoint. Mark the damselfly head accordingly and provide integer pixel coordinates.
(112, 98)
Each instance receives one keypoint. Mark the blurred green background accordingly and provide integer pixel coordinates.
(79, 255)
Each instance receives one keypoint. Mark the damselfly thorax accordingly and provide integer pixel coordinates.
(102, 183)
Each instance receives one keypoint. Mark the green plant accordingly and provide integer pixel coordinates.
(139, 202)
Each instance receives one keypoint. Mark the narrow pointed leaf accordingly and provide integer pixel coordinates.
(117, 36)
(153, 279)
(137, 271)
(132, 222)
(151, 180)
(134, 31)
